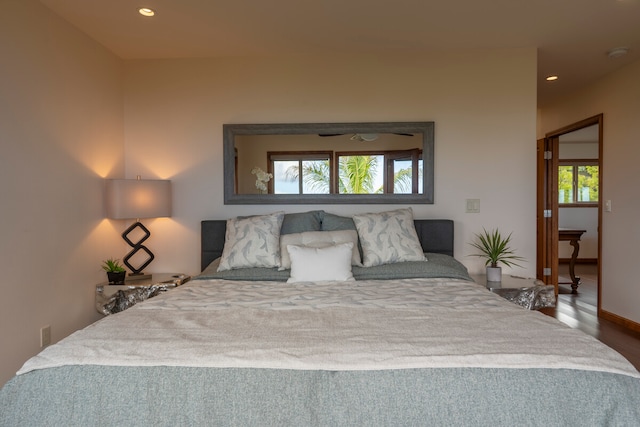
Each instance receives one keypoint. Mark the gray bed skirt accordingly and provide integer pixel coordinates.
(173, 396)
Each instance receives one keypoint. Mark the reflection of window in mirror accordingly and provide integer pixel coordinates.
(357, 172)
(406, 169)
(578, 182)
(300, 172)
(383, 172)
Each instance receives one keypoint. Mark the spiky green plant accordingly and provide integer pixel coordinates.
(112, 266)
(495, 249)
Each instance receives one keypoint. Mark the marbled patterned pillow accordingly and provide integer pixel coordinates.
(252, 241)
(388, 237)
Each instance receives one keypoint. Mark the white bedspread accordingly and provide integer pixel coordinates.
(364, 325)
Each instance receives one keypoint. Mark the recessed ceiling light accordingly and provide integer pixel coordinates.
(552, 78)
(617, 52)
(145, 11)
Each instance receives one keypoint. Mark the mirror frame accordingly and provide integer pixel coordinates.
(231, 130)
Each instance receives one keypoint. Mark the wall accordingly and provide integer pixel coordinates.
(483, 104)
(61, 128)
(617, 96)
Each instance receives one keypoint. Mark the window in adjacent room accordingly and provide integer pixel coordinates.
(578, 182)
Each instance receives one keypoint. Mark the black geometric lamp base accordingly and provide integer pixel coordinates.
(136, 272)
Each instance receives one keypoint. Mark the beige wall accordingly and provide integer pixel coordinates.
(61, 130)
(482, 103)
(617, 96)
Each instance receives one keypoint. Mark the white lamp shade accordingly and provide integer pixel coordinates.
(138, 198)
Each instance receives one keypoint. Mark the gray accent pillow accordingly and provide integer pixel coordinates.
(252, 242)
(331, 222)
(301, 222)
(388, 237)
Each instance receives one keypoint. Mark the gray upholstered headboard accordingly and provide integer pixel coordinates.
(436, 236)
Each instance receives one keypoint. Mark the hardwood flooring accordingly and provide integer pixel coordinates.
(581, 311)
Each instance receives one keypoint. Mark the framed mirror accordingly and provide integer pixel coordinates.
(329, 163)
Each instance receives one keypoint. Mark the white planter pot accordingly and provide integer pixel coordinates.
(494, 274)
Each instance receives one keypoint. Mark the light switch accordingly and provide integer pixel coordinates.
(473, 205)
(607, 206)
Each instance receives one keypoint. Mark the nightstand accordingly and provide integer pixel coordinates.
(528, 293)
(112, 299)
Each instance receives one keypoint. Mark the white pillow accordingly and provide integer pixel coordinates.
(318, 239)
(252, 241)
(320, 264)
(388, 237)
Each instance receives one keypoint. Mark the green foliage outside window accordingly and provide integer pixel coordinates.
(578, 183)
(588, 181)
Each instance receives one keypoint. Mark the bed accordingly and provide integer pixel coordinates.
(400, 338)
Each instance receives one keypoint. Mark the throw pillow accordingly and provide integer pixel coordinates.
(388, 237)
(252, 242)
(332, 263)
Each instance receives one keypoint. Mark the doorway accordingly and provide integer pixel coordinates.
(569, 200)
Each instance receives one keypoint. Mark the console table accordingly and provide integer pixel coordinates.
(573, 237)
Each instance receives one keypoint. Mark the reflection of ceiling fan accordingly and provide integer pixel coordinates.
(363, 137)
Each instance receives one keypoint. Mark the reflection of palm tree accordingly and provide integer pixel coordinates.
(356, 174)
(316, 176)
(403, 181)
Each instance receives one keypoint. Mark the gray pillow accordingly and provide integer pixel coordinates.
(331, 222)
(301, 222)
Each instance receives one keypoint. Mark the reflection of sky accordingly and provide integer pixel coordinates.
(286, 187)
(406, 164)
(281, 185)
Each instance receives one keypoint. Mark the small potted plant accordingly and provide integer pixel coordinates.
(495, 249)
(115, 272)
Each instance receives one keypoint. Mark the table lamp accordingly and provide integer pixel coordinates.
(136, 199)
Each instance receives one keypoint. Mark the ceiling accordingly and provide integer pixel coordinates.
(572, 36)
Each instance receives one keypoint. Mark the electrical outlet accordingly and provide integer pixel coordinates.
(45, 336)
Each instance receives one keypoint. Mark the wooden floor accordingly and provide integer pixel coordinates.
(580, 311)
